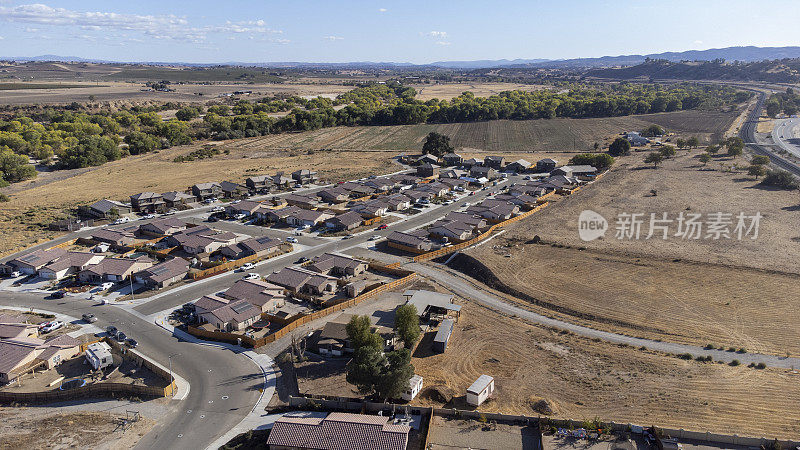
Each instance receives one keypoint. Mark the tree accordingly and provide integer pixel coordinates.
(600, 161)
(437, 144)
(652, 131)
(364, 370)
(359, 331)
(681, 143)
(756, 171)
(735, 146)
(780, 179)
(619, 147)
(14, 168)
(667, 151)
(713, 149)
(693, 142)
(773, 108)
(654, 158)
(705, 158)
(760, 160)
(187, 113)
(406, 324)
(395, 374)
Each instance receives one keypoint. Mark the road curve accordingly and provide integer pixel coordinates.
(748, 134)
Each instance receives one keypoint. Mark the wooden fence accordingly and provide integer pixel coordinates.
(92, 390)
(454, 248)
(407, 277)
(224, 267)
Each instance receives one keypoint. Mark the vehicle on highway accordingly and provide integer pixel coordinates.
(111, 330)
(132, 343)
(251, 276)
(382, 227)
(58, 294)
(106, 286)
(121, 337)
(245, 267)
(291, 240)
(375, 237)
(89, 318)
(302, 260)
(52, 326)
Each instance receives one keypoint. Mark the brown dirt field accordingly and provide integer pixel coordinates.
(446, 91)
(25, 217)
(727, 292)
(26, 428)
(584, 379)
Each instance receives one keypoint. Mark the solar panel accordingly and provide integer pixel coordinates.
(159, 270)
(241, 307)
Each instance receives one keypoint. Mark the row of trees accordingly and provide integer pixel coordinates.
(783, 102)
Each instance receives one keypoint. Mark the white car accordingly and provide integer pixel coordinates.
(291, 240)
(217, 209)
(246, 266)
(375, 237)
(240, 216)
(14, 274)
(251, 276)
(106, 286)
(52, 326)
(149, 216)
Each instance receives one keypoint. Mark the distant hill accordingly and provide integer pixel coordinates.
(775, 71)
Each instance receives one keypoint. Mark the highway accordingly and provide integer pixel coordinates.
(748, 135)
(785, 135)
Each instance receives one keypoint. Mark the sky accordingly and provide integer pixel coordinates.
(416, 31)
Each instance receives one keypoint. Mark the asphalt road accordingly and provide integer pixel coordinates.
(784, 135)
(212, 372)
(748, 134)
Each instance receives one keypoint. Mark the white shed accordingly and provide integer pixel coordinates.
(414, 387)
(99, 355)
(480, 390)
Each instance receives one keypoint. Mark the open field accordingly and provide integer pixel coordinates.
(725, 292)
(26, 428)
(450, 90)
(583, 379)
(34, 204)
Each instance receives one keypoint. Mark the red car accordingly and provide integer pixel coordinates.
(382, 227)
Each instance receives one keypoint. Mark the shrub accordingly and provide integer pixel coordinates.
(686, 356)
(735, 363)
(600, 161)
(780, 179)
(761, 365)
(3, 198)
(619, 147)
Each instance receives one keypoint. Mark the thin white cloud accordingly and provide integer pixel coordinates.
(698, 42)
(382, 10)
(162, 27)
(333, 38)
(2, 37)
(443, 43)
(436, 34)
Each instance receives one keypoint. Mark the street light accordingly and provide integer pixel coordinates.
(171, 378)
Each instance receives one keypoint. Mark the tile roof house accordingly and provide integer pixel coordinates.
(338, 431)
(71, 263)
(334, 195)
(469, 219)
(483, 172)
(338, 265)
(453, 183)
(452, 159)
(277, 215)
(31, 262)
(371, 208)
(233, 190)
(361, 190)
(346, 221)
(246, 207)
(226, 315)
(304, 176)
(398, 239)
(201, 239)
(103, 209)
(495, 162)
(21, 354)
(519, 165)
(113, 269)
(204, 191)
(163, 274)
(147, 202)
(546, 165)
(494, 210)
(267, 297)
(451, 173)
(281, 181)
(113, 237)
(259, 183)
(452, 230)
(12, 327)
(163, 227)
(303, 201)
(261, 246)
(381, 184)
(306, 217)
(398, 202)
(296, 279)
(175, 199)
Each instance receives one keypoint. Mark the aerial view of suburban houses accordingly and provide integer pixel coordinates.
(388, 238)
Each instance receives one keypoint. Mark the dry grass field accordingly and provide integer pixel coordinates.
(726, 292)
(583, 379)
(444, 91)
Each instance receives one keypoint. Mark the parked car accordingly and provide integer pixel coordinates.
(218, 209)
(58, 294)
(106, 286)
(52, 326)
(111, 330)
(251, 276)
(14, 274)
(132, 343)
(347, 236)
(245, 267)
(149, 216)
(375, 237)
(382, 227)
(302, 260)
(121, 337)
(42, 325)
(240, 216)
(291, 240)
(89, 318)
(171, 212)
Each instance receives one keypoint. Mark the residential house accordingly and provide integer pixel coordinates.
(233, 190)
(23, 354)
(489, 173)
(494, 210)
(205, 191)
(472, 162)
(277, 215)
(404, 179)
(344, 222)
(114, 237)
(246, 207)
(334, 195)
(104, 209)
(338, 431)
(519, 166)
(452, 159)
(371, 208)
(466, 218)
(283, 182)
(267, 297)
(586, 171)
(360, 191)
(380, 184)
(333, 340)
(452, 230)
(259, 246)
(436, 188)
(260, 184)
(303, 201)
(454, 183)
(226, 315)
(409, 242)
(338, 265)
(546, 165)
(426, 159)
(163, 274)
(162, 227)
(397, 202)
(636, 139)
(427, 170)
(451, 174)
(177, 200)
(71, 263)
(495, 162)
(416, 195)
(113, 270)
(524, 201)
(304, 176)
(299, 280)
(148, 202)
(30, 263)
(201, 239)
(307, 218)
